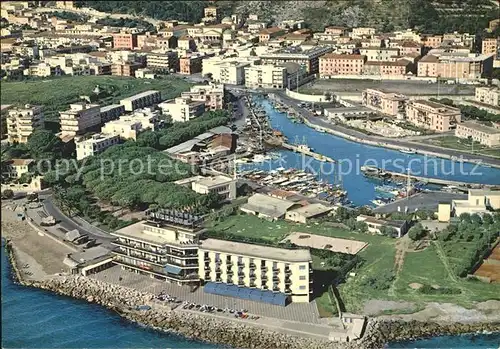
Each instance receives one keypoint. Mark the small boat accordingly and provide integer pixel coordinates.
(407, 151)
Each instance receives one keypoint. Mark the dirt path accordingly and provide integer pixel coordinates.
(401, 248)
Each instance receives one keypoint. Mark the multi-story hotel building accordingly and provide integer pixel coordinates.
(94, 145)
(80, 118)
(257, 267)
(308, 58)
(163, 62)
(141, 100)
(485, 135)
(182, 109)
(488, 95)
(212, 95)
(165, 246)
(433, 116)
(266, 76)
(387, 103)
(337, 64)
(22, 121)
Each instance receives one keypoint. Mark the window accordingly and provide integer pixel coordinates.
(302, 277)
(302, 287)
(302, 267)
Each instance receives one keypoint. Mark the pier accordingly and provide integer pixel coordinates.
(304, 149)
(378, 172)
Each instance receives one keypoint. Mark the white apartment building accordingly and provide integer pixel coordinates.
(80, 118)
(485, 135)
(22, 121)
(212, 95)
(129, 126)
(182, 109)
(222, 185)
(141, 100)
(266, 76)
(380, 54)
(488, 95)
(94, 145)
(225, 72)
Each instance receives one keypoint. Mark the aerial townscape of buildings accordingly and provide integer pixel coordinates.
(281, 244)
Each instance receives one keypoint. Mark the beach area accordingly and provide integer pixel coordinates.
(37, 262)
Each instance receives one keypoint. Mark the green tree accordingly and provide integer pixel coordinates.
(43, 144)
(416, 232)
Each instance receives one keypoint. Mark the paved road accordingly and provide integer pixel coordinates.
(388, 141)
(70, 224)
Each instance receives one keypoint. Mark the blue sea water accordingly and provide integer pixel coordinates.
(352, 156)
(34, 318)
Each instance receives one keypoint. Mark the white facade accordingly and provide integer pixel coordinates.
(182, 109)
(266, 76)
(94, 145)
(222, 185)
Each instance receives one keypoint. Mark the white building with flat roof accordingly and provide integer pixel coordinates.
(79, 118)
(22, 121)
(182, 109)
(141, 100)
(94, 145)
(485, 135)
(222, 185)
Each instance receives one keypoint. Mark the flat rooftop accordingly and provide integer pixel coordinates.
(312, 210)
(140, 95)
(321, 242)
(214, 181)
(136, 232)
(264, 252)
(420, 201)
(479, 127)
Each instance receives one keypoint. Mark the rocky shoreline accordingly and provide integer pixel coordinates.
(215, 330)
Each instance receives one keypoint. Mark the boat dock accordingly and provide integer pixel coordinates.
(304, 149)
(381, 173)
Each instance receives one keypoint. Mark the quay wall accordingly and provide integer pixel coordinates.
(305, 97)
(234, 333)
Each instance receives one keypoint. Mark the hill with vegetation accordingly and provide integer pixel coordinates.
(386, 15)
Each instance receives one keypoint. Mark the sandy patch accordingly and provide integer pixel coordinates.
(415, 285)
(326, 243)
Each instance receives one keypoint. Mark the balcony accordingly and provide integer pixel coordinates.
(138, 257)
(138, 247)
(252, 266)
(263, 276)
(288, 272)
(158, 271)
(276, 269)
(276, 278)
(253, 276)
(276, 289)
(288, 282)
(229, 272)
(206, 259)
(263, 269)
(241, 283)
(241, 264)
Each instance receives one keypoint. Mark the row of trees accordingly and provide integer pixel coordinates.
(180, 132)
(471, 112)
(467, 241)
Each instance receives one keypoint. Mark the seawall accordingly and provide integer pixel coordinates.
(228, 332)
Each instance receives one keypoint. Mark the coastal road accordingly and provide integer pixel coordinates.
(383, 140)
(70, 224)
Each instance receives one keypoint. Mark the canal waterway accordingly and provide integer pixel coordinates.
(351, 156)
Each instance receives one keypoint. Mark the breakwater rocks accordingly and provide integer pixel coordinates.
(380, 332)
(187, 324)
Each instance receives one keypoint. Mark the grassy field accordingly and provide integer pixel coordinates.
(378, 255)
(57, 93)
(453, 142)
(426, 267)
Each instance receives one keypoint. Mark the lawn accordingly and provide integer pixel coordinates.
(424, 267)
(57, 93)
(453, 142)
(378, 255)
